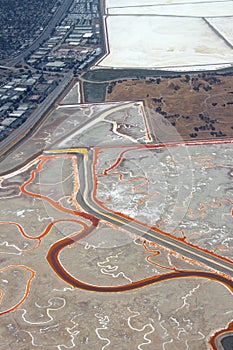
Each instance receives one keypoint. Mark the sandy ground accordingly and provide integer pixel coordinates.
(73, 96)
(175, 189)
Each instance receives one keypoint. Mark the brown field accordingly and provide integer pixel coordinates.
(186, 107)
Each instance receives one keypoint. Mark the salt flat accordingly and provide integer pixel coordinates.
(173, 34)
(224, 25)
(205, 9)
(142, 41)
(125, 3)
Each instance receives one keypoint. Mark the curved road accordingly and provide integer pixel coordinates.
(85, 198)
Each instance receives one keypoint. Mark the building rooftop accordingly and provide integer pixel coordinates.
(57, 64)
(8, 121)
(88, 35)
(16, 114)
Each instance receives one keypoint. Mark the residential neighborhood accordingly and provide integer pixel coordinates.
(19, 97)
(22, 22)
(75, 43)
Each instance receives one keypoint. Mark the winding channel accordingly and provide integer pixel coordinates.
(84, 162)
(85, 199)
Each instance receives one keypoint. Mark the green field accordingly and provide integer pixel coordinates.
(115, 74)
(94, 92)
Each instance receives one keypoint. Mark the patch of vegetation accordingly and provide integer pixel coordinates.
(115, 74)
(112, 74)
(94, 92)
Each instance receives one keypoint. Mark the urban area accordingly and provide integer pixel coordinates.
(32, 73)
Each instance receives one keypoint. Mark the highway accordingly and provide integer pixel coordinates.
(85, 199)
(21, 131)
(54, 21)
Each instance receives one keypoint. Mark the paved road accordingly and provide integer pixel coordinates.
(44, 106)
(13, 138)
(54, 21)
(9, 68)
(85, 199)
(90, 122)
